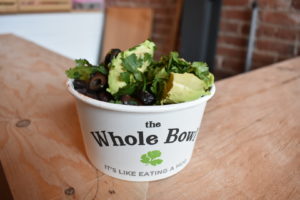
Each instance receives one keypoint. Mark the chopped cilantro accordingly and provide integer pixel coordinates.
(128, 89)
(125, 76)
(83, 70)
(148, 57)
(82, 63)
(131, 63)
(138, 76)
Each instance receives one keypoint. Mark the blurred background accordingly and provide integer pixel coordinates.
(232, 36)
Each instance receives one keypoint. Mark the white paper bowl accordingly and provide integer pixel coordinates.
(139, 143)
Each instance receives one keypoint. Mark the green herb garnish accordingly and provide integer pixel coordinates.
(83, 70)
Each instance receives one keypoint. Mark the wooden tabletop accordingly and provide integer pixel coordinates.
(248, 146)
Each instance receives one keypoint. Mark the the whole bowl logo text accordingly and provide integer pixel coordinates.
(109, 138)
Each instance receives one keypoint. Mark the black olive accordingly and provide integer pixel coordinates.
(97, 82)
(82, 90)
(105, 96)
(91, 95)
(129, 100)
(111, 55)
(79, 84)
(146, 97)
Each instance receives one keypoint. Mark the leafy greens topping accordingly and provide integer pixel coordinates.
(83, 70)
(155, 77)
(160, 71)
(131, 63)
(137, 78)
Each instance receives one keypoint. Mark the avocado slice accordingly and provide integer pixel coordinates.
(134, 60)
(183, 87)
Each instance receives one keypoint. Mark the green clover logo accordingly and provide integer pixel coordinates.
(152, 158)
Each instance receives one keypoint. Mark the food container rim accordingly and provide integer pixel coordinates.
(137, 109)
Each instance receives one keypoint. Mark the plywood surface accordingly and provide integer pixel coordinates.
(125, 27)
(248, 147)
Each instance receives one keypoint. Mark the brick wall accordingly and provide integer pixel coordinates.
(165, 20)
(277, 37)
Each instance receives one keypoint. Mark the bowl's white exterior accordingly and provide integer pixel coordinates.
(116, 136)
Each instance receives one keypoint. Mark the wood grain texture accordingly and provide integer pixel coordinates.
(47, 157)
(248, 146)
(125, 27)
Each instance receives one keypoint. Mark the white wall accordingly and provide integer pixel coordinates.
(74, 35)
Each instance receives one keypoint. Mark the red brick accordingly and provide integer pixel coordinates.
(164, 2)
(243, 15)
(275, 47)
(163, 20)
(256, 65)
(160, 36)
(245, 29)
(232, 64)
(281, 4)
(277, 32)
(159, 29)
(160, 52)
(231, 27)
(263, 58)
(164, 11)
(266, 30)
(282, 58)
(287, 34)
(281, 18)
(167, 49)
(233, 40)
(160, 41)
(221, 73)
(236, 2)
(231, 52)
(296, 4)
